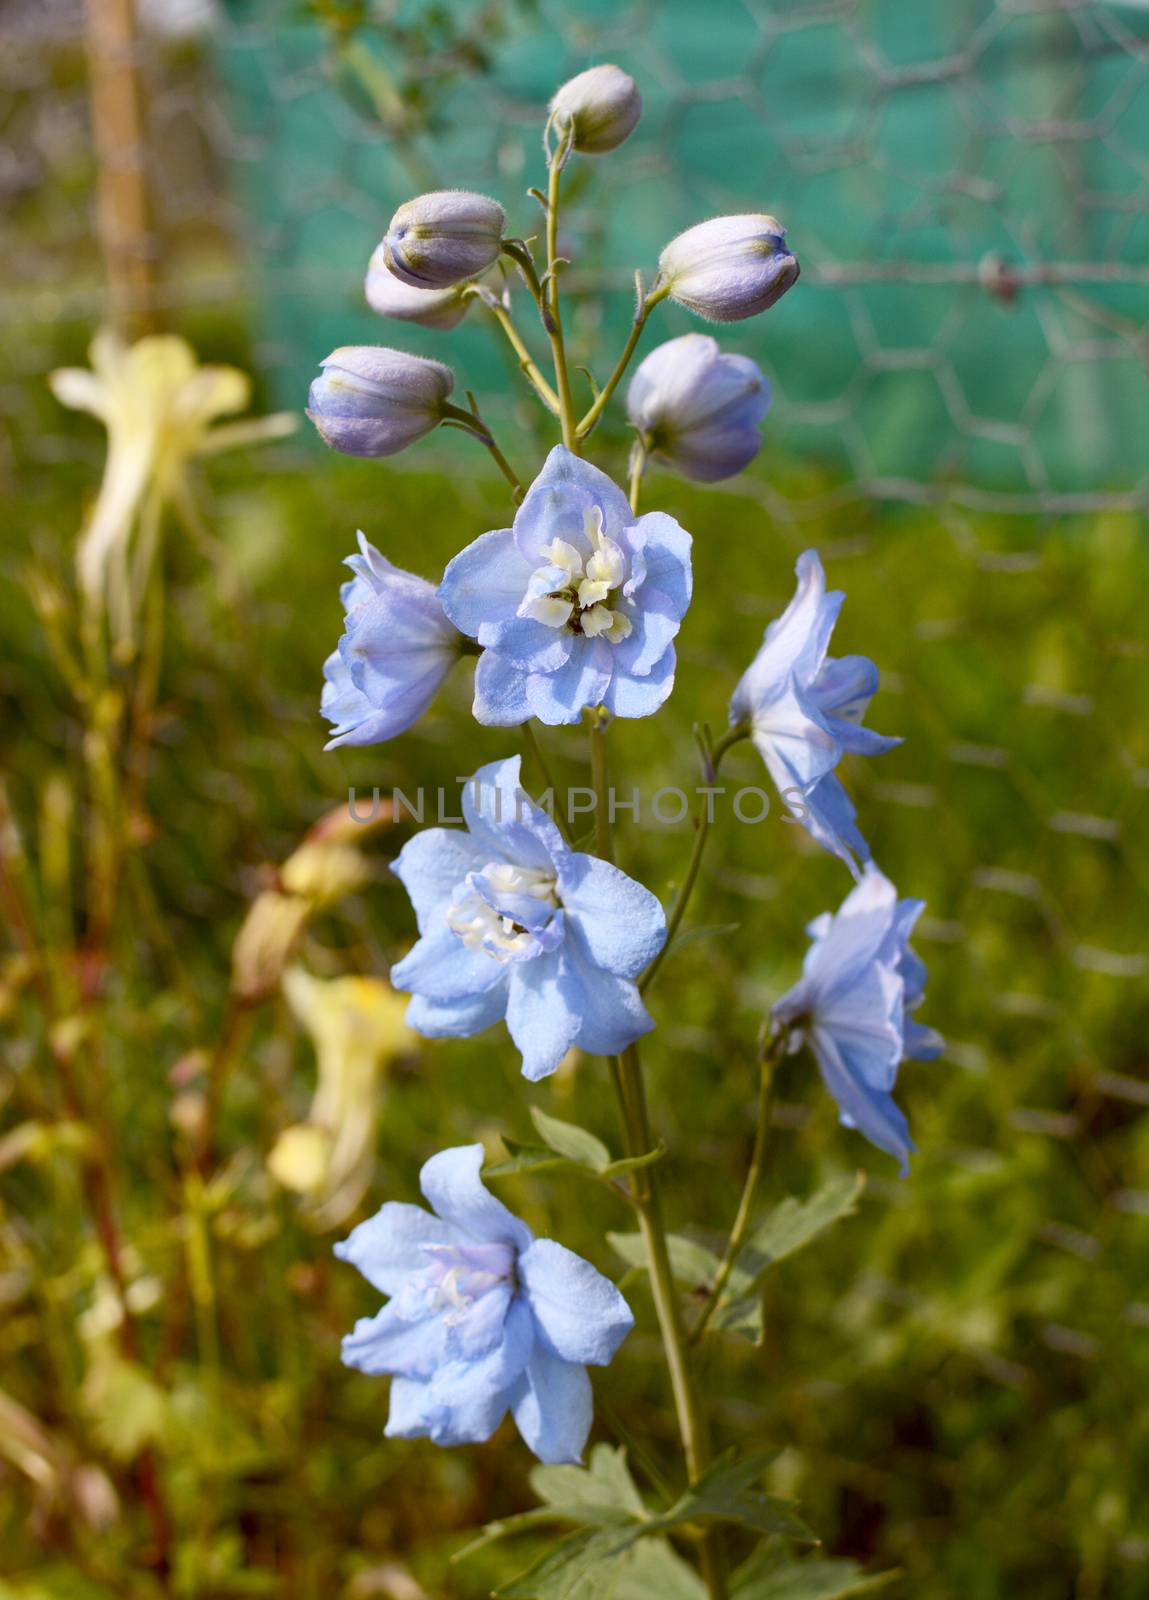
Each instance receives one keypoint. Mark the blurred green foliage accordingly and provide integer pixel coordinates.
(955, 1378)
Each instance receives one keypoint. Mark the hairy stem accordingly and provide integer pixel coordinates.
(769, 1054)
(626, 1076)
(711, 761)
(602, 399)
(527, 363)
(553, 319)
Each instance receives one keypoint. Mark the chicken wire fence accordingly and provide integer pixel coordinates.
(967, 186)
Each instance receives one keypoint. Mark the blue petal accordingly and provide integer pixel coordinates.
(613, 1012)
(500, 692)
(559, 697)
(386, 1344)
(439, 966)
(544, 1012)
(622, 923)
(654, 626)
(468, 1399)
(411, 1410)
(457, 1019)
(431, 866)
(641, 697)
(554, 504)
(873, 1112)
(554, 1408)
(484, 584)
(453, 1187)
(665, 553)
(505, 821)
(388, 1247)
(795, 643)
(830, 819)
(582, 1316)
(794, 739)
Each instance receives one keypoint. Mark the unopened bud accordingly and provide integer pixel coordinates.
(697, 408)
(430, 308)
(600, 106)
(730, 267)
(372, 401)
(440, 239)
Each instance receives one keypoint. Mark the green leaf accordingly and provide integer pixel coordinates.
(585, 1566)
(710, 930)
(632, 1163)
(790, 1226)
(525, 1158)
(692, 1264)
(809, 1580)
(571, 1141)
(653, 1569)
(727, 1492)
(606, 1481)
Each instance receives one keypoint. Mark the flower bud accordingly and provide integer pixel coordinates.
(697, 408)
(430, 308)
(601, 107)
(730, 267)
(371, 401)
(439, 239)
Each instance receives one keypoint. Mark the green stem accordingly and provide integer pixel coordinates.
(711, 761)
(540, 760)
(600, 778)
(626, 1075)
(553, 319)
(637, 468)
(527, 363)
(602, 399)
(644, 1190)
(471, 422)
(769, 1055)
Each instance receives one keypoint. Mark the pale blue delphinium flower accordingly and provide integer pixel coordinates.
(854, 1004)
(576, 605)
(514, 923)
(372, 401)
(804, 709)
(729, 268)
(698, 408)
(396, 650)
(482, 1318)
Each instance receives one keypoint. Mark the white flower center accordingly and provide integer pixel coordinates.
(566, 593)
(490, 920)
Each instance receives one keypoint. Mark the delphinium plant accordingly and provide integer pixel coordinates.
(571, 614)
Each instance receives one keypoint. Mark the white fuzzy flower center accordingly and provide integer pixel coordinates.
(461, 1275)
(495, 928)
(566, 592)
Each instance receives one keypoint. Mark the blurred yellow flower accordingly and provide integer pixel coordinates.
(158, 406)
(357, 1027)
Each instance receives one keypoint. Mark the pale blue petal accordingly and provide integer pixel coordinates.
(500, 692)
(468, 1399)
(582, 1316)
(857, 934)
(505, 821)
(665, 554)
(544, 1012)
(532, 644)
(410, 1413)
(554, 1408)
(386, 1344)
(559, 697)
(388, 1247)
(451, 1182)
(554, 504)
(641, 697)
(830, 820)
(484, 584)
(613, 1013)
(654, 626)
(478, 1332)
(622, 923)
(871, 1111)
(439, 966)
(431, 866)
(457, 1019)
